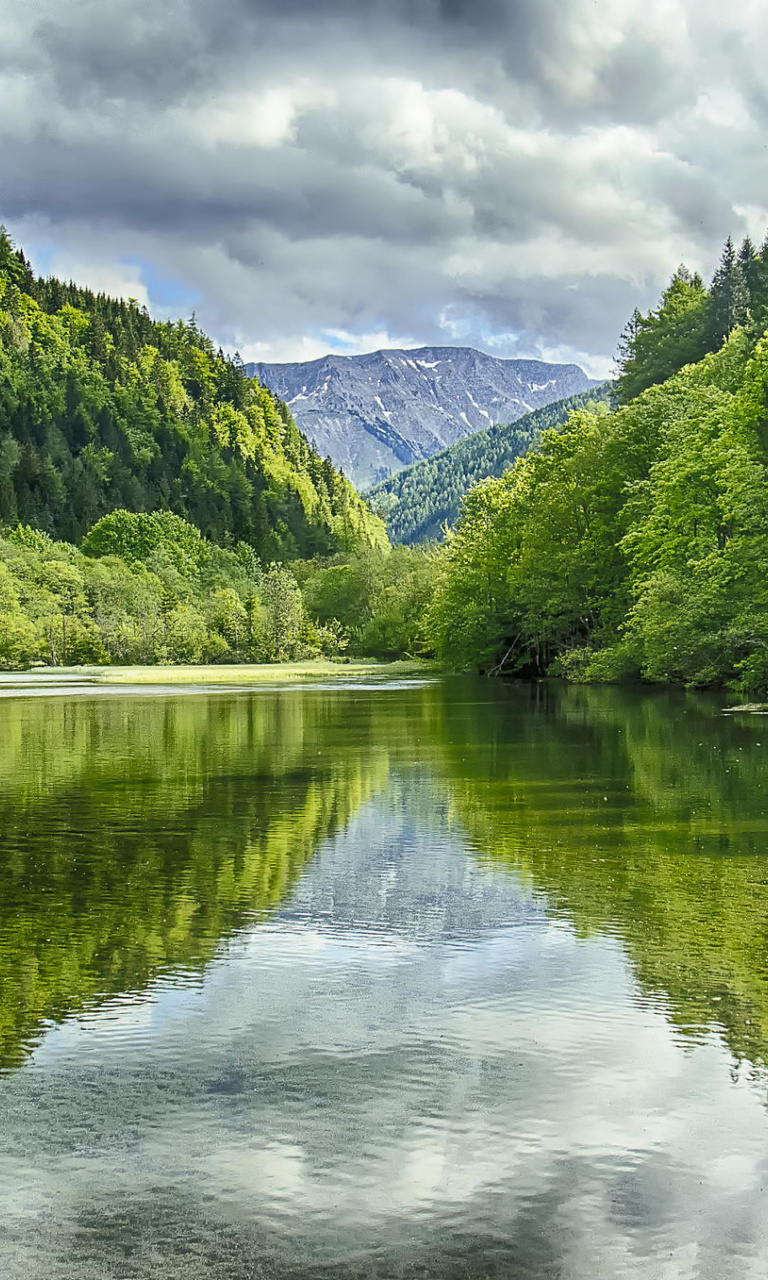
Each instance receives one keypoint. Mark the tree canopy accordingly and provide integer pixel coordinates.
(691, 320)
(145, 589)
(627, 544)
(103, 408)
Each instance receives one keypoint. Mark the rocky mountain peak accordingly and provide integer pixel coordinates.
(374, 414)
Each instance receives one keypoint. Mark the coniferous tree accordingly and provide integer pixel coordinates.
(653, 347)
(759, 289)
(728, 297)
(628, 339)
(102, 408)
(13, 264)
(750, 267)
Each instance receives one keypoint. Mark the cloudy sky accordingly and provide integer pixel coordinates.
(314, 175)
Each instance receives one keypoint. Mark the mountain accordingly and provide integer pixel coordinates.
(102, 408)
(418, 501)
(377, 413)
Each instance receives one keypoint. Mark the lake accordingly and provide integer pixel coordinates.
(418, 978)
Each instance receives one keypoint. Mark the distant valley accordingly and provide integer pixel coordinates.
(376, 414)
(418, 501)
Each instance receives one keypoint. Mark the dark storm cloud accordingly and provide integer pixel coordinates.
(159, 52)
(386, 168)
(142, 52)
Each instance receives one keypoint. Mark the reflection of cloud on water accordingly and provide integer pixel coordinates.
(411, 1066)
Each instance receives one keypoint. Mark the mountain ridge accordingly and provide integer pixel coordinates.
(376, 413)
(416, 502)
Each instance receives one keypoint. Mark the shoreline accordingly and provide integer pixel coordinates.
(37, 680)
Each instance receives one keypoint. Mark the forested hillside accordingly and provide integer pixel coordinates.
(145, 589)
(417, 502)
(634, 543)
(103, 408)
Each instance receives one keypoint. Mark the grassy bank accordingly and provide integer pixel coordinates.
(229, 674)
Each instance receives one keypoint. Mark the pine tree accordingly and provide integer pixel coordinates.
(13, 264)
(653, 347)
(758, 289)
(728, 297)
(750, 266)
(628, 339)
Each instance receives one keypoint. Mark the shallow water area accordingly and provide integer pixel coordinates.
(382, 977)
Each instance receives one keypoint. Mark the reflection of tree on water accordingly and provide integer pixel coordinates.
(641, 816)
(138, 833)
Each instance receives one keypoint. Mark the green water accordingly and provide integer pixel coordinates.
(427, 979)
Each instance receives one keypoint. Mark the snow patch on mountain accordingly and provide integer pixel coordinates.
(375, 414)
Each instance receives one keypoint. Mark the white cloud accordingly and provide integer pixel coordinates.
(521, 168)
(336, 341)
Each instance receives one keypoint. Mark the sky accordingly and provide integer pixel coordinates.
(343, 175)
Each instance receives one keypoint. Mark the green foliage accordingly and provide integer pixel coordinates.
(729, 296)
(283, 615)
(149, 588)
(381, 602)
(677, 333)
(144, 589)
(134, 536)
(19, 641)
(419, 501)
(692, 321)
(533, 566)
(103, 409)
(626, 544)
(636, 544)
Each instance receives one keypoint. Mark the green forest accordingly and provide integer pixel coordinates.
(634, 543)
(419, 501)
(158, 506)
(103, 408)
(148, 588)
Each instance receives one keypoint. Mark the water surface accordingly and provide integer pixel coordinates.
(441, 980)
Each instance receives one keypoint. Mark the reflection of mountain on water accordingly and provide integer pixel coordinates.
(431, 1058)
(375, 1084)
(640, 815)
(403, 873)
(136, 834)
